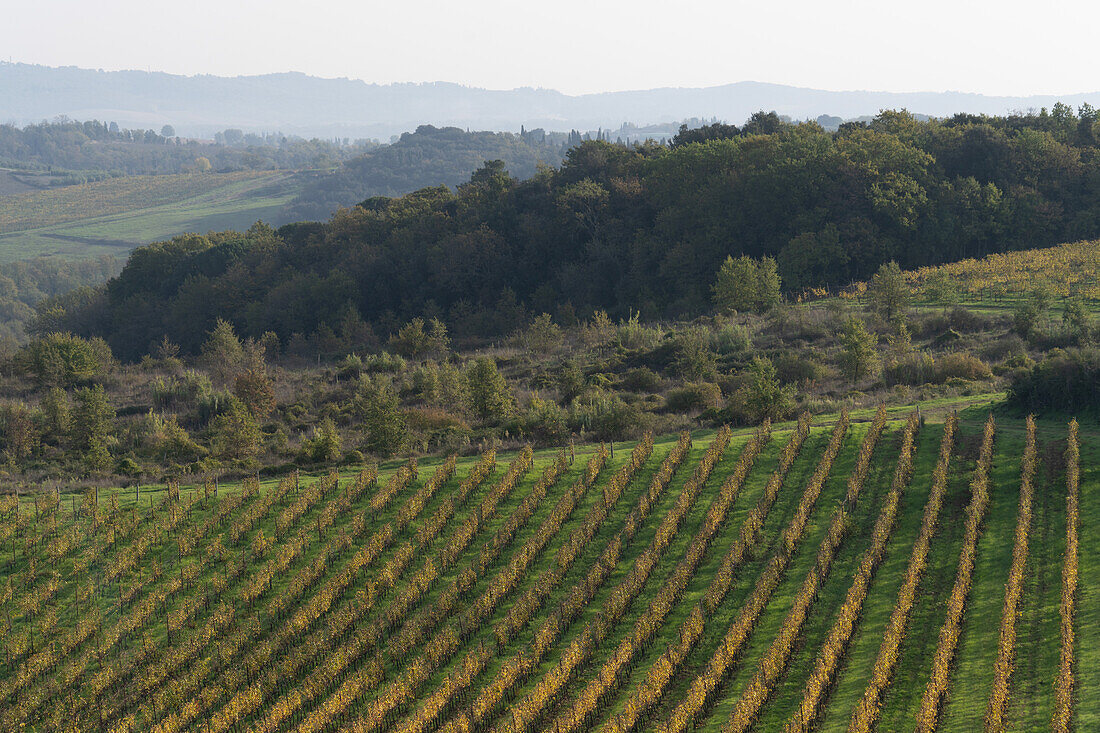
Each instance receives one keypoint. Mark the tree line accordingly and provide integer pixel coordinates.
(626, 229)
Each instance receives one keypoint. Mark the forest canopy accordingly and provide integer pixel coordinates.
(639, 228)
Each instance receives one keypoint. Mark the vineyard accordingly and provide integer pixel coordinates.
(1066, 270)
(878, 571)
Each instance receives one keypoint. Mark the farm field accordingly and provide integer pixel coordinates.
(116, 215)
(736, 580)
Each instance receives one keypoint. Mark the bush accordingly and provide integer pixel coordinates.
(640, 379)
(762, 395)
(350, 367)
(731, 338)
(545, 422)
(967, 321)
(543, 335)
(127, 467)
(383, 362)
(694, 358)
(324, 445)
(1066, 381)
(61, 360)
(414, 341)
(961, 365)
(693, 397)
(609, 418)
(1004, 348)
(914, 369)
(947, 338)
(634, 335)
(489, 396)
(799, 367)
(379, 412)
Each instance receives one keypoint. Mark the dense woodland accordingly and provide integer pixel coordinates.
(26, 283)
(638, 228)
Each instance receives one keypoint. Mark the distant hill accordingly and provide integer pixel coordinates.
(295, 103)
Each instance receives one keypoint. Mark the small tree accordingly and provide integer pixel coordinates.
(543, 335)
(236, 434)
(61, 360)
(942, 289)
(695, 360)
(858, 354)
(1077, 320)
(744, 284)
(57, 419)
(93, 418)
(489, 396)
(19, 434)
(764, 396)
(255, 389)
(324, 446)
(889, 292)
(380, 413)
(417, 339)
(223, 353)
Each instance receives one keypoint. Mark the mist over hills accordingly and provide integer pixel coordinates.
(296, 103)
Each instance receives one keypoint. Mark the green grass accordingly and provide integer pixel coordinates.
(115, 222)
(1037, 651)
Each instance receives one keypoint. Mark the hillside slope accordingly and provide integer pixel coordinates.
(561, 585)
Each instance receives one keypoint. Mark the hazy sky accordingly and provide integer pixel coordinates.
(1005, 47)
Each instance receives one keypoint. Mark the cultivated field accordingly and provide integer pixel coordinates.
(118, 214)
(877, 573)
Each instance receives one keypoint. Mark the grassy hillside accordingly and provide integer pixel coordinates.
(542, 599)
(118, 214)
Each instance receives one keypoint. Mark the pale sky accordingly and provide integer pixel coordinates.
(1006, 47)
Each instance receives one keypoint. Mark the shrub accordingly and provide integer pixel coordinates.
(961, 365)
(694, 358)
(543, 335)
(947, 338)
(799, 367)
(383, 362)
(609, 418)
(379, 411)
(236, 434)
(859, 354)
(763, 396)
(350, 367)
(324, 445)
(1065, 381)
(745, 284)
(61, 360)
(1005, 347)
(889, 293)
(634, 335)
(967, 321)
(692, 397)
(489, 395)
(913, 369)
(641, 379)
(731, 338)
(414, 340)
(545, 422)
